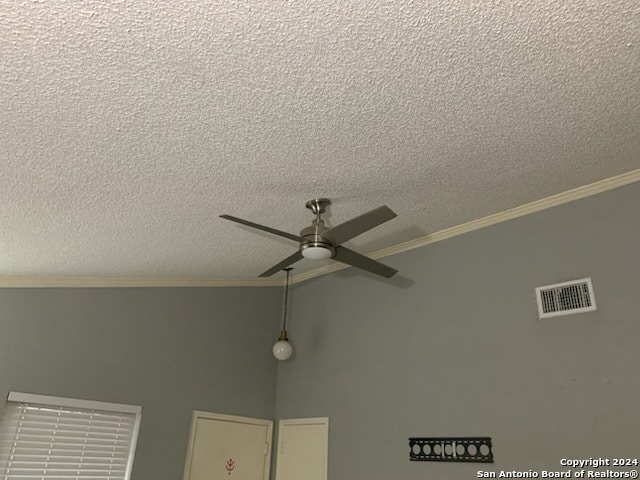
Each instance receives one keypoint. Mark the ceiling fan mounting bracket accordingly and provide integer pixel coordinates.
(318, 205)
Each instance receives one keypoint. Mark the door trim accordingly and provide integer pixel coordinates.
(199, 414)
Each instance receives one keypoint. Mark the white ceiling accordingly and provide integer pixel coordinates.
(128, 126)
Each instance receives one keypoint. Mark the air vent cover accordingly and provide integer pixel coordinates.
(565, 298)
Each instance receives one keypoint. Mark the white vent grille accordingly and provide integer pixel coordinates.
(565, 298)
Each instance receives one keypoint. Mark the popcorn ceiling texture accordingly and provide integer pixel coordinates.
(127, 127)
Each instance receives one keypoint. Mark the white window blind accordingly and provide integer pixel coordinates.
(51, 437)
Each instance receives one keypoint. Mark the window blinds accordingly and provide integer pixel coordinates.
(54, 438)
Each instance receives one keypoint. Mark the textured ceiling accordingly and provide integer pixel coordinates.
(128, 126)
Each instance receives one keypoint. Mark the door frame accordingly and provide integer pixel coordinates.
(304, 421)
(199, 414)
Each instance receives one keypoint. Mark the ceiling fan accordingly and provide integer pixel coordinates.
(319, 242)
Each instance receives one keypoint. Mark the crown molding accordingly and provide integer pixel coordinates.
(533, 207)
(103, 282)
(537, 206)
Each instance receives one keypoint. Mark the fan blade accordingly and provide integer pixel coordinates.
(357, 260)
(290, 236)
(354, 227)
(285, 263)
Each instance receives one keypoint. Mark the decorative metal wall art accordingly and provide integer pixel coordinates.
(450, 449)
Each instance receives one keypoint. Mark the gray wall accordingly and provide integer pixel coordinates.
(451, 347)
(454, 347)
(170, 350)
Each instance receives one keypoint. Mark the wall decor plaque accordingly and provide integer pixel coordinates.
(450, 449)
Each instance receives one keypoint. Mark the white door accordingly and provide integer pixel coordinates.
(228, 447)
(303, 449)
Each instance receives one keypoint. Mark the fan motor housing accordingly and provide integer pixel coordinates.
(312, 238)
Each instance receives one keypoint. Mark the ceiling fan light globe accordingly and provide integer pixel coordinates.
(282, 350)
(317, 253)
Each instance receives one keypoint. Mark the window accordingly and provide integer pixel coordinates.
(50, 437)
